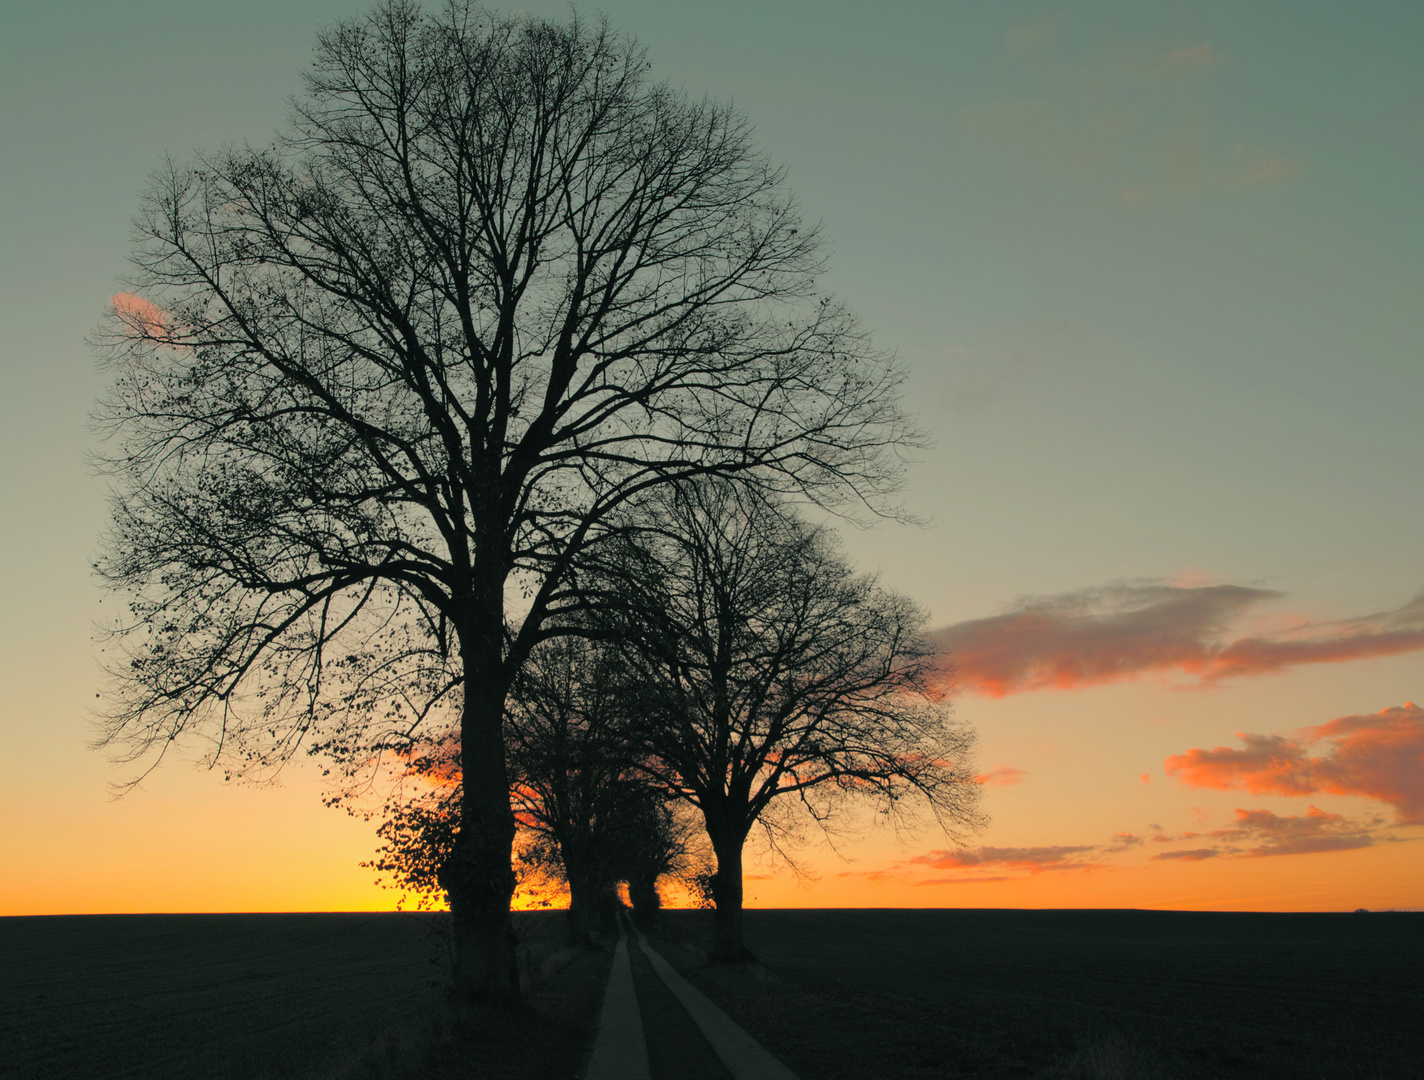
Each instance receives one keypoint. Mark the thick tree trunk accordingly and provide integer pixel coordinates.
(479, 877)
(480, 883)
(727, 895)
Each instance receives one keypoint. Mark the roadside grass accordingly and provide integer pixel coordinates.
(324, 997)
(1072, 995)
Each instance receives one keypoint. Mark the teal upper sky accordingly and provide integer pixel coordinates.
(1156, 271)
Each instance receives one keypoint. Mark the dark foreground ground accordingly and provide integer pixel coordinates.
(1130, 994)
(262, 997)
(1051, 995)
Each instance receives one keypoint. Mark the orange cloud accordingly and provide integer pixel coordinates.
(1003, 776)
(1376, 755)
(1120, 632)
(1270, 765)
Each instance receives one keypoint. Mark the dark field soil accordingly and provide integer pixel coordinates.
(1061, 994)
(338, 997)
(1054, 995)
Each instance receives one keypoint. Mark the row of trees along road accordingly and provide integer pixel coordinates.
(588, 816)
(727, 657)
(391, 379)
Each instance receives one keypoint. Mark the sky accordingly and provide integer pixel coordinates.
(1155, 272)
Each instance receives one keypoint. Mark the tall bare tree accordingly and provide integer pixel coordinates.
(382, 381)
(770, 670)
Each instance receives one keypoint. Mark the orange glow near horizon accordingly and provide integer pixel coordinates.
(1376, 877)
(205, 847)
(1320, 813)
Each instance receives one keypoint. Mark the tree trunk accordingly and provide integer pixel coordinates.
(727, 896)
(480, 883)
(479, 877)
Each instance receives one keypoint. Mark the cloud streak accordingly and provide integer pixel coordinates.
(1133, 116)
(1376, 755)
(1261, 834)
(1254, 834)
(1003, 776)
(1033, 859)
(1120, 632)
(1190, 59)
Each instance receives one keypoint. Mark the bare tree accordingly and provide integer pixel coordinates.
(387, 378)
(657, 839)
(575, 781)
(771, 670)
(587, 815)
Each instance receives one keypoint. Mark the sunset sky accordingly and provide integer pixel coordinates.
(1157, 272)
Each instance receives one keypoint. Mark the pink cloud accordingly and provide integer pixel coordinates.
(1122, 632)
(1375, 755)
(1003, 776)
(141, 317)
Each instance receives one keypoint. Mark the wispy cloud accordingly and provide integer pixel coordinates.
(1190, 854)
(1262, 834)
(1003, 776)
(986, 864)
(1255, 166)
(1035, 31)
(1191, 59)
(1132, 116)
(1253, 834)
(1376, 755)
(1109, 634)
(1033, 859)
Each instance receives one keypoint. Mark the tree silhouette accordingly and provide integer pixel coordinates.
(576, 783)
(586, 812)
(767, 669)
(385, 380)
